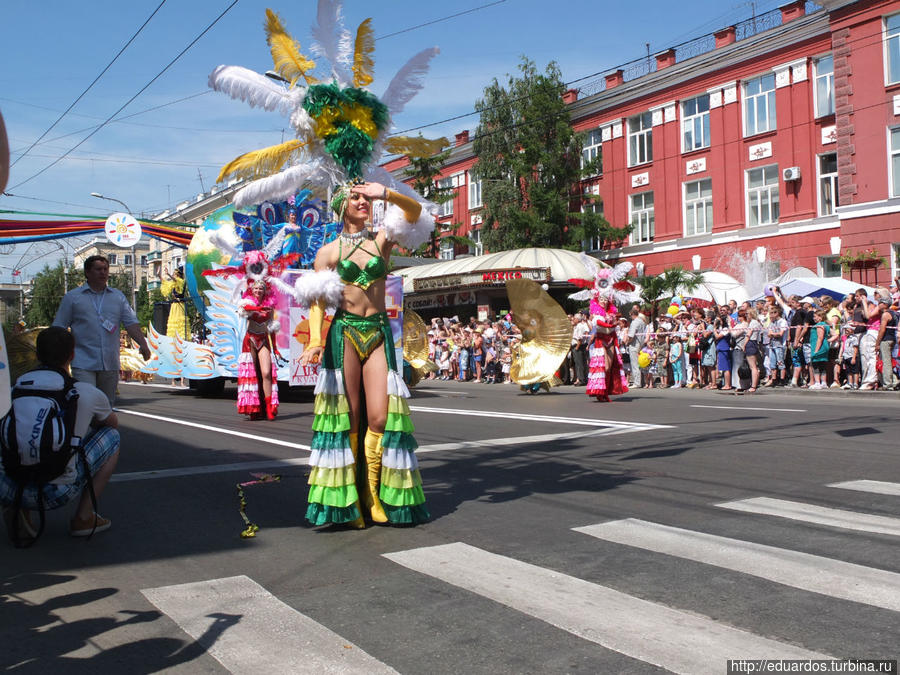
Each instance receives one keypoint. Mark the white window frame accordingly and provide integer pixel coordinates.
(596, 206)
(767, 190)
(447, 250)
(445, 209)
(593, 146)
(827, 79)
(701, 207)
(143, 260)
(126, 259)
(891, 44)
(691, 121)
(640, 139)
(893, 176)
(112, 259)
(750, 102)
(478, 248)
(643, 218)
(474, 191)
(830, 179)
(828, 263)
(895, 266)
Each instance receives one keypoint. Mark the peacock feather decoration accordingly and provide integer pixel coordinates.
(340, 126)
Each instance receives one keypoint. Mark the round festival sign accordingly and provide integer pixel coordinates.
(123, 230)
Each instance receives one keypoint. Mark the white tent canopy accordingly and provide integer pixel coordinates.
(563, 265)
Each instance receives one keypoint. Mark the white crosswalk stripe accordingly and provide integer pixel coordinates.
(820, 515)
(681, 642)
(877, 486)
(834, 578)
(259, 634)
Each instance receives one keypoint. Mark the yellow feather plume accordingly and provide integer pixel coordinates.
(289, 62)
(362, 55)
(262, 162)
(415, 146)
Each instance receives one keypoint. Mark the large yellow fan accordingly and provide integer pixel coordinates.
(415, 345)
(546, 332)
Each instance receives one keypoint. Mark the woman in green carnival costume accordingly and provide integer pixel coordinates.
(359, 372)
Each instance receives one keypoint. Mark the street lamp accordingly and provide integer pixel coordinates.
(133, 250)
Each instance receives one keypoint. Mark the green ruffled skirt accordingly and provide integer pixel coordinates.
(334, 475)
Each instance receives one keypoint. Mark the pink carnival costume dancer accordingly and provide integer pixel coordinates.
(606, 375)
(257, 367)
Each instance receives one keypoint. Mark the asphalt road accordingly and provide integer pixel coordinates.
(667, 530)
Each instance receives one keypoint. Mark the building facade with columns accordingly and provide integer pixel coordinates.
(776, 140)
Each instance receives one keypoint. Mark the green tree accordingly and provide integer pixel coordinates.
(424, 171)
(528, 157)
(591, 226)
(47, 290)
(656, 288)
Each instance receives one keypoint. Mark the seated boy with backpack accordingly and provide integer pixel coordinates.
(59, 441)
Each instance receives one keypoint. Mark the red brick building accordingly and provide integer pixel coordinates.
(781, 133)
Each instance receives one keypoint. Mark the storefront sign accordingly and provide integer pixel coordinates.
(441, 300)
(481, 278)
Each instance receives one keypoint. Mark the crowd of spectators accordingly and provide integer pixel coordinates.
(778, 341)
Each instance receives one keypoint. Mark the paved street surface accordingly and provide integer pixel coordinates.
(668, 530)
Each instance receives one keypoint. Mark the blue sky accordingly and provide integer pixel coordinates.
(153, 160)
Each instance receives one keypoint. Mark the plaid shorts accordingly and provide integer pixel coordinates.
(98, 448)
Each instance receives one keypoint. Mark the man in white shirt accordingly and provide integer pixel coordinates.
(95, 424)
(636, 336)
(580, 332)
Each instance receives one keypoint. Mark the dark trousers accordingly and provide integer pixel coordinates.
(580, 362)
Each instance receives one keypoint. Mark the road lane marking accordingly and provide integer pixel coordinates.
(249, 630)
(422, 449)
(218, 430)
(834, 578)
(740, 407)
(678, 641)
(876, 486)
(820, 515)
(586, 421)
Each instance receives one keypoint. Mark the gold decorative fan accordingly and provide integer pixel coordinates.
(22, 352)
(546, 332)
(415, 345)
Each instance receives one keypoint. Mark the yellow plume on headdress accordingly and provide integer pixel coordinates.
(415, 146)
(289, 62)
(362, 55)
(262, 162)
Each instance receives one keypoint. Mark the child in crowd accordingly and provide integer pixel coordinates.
(850, 357)
(445, 364)
(676, 358)
(505, 360)
(660, 346)
(464, 360)
(776, 333)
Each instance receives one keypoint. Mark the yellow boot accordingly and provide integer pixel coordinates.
(359, 523)
(373, 475)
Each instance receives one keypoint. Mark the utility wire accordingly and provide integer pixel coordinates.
(141, 91)
(444, 18)
(96, 79)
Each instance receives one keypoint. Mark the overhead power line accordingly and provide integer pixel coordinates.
(96, 79)
(141, 91)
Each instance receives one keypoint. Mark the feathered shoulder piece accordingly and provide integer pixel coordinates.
(608, 285)
(341, 127)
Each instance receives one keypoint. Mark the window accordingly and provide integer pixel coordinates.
(695, 123)
(829, 266)
(641, 207)
(593, 151)
(593, 243)
(828, 184)
(447, 252)
(640, 139)
(446, 209)
(127, 260)
(698, 210)
(824, 69)
(478, 248)
(113, 259)
(474, 192)
(143, 260)
(762, 196)
(895, 261)
(759, 104)
(895, 162)
(892, 47)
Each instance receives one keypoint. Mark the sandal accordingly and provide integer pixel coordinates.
(751, 390)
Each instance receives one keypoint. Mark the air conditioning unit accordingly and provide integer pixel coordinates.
(791, 173)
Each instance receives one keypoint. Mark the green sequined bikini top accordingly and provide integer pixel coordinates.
(350, 273)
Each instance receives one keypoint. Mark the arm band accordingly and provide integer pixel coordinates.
(411, 208)
(316, 321)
